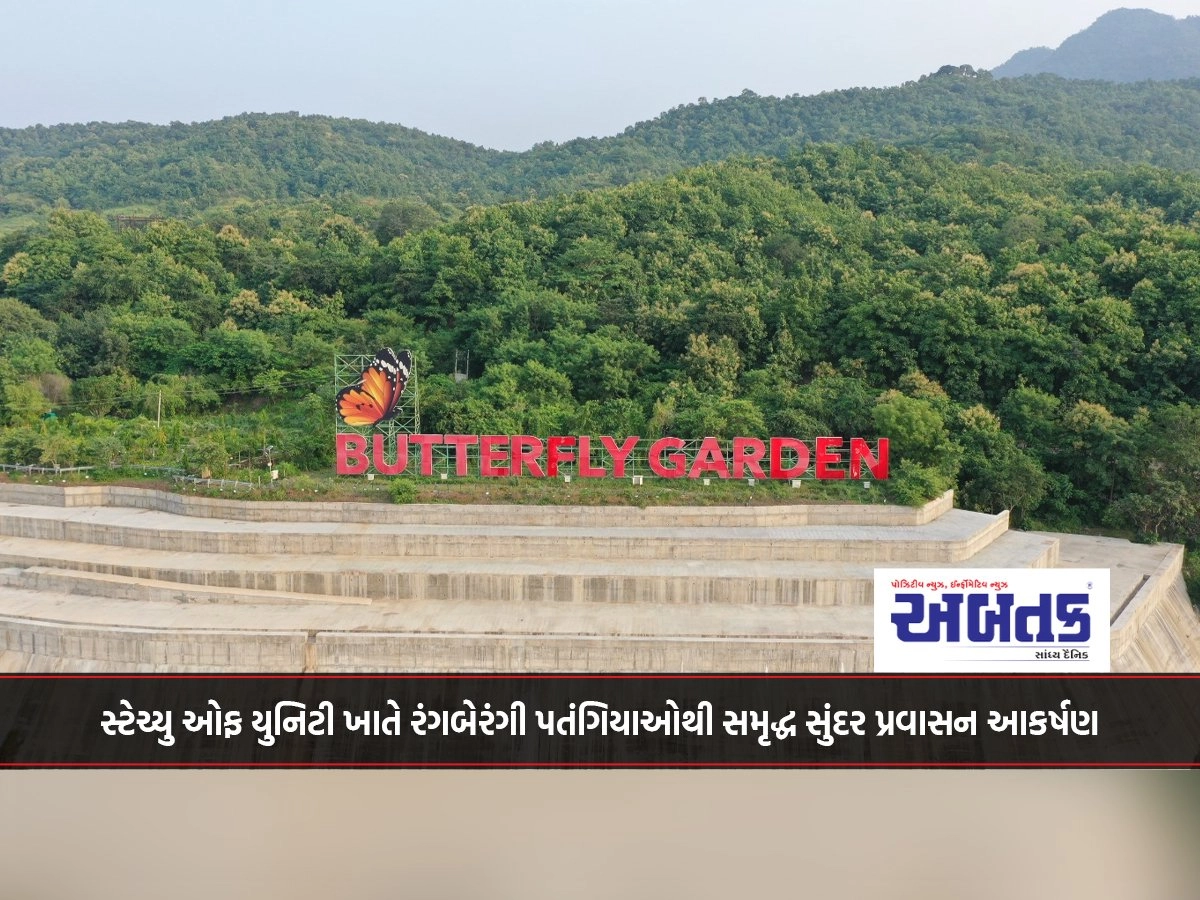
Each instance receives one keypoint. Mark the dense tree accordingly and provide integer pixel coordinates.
(415, 179)
(1028, 336)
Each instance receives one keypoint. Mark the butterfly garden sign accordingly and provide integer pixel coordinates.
(379, 431)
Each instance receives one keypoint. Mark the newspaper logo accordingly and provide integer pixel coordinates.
(992, 620)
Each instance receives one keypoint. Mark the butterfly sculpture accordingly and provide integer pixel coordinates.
(376, 395)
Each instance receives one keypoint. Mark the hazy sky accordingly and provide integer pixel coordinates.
(503, 73)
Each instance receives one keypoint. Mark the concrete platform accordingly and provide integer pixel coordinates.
(952, 537)
(123, 587)
(475, 514)
(384, 579)
(186, 584)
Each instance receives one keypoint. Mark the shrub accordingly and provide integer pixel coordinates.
(402, 490)
(913, 484)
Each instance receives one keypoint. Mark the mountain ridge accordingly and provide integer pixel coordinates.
(1123, 45)
(187, 168)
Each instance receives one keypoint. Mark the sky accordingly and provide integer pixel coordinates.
(501, 73)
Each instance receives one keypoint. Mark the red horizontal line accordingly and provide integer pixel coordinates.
(863, 676)
(608, 765)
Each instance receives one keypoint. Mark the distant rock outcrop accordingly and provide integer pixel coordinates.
(959, 71)
(1122, 45)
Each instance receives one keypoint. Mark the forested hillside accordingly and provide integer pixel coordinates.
(1030, 337)
(185, 169)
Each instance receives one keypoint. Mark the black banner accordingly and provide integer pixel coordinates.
(813, 721)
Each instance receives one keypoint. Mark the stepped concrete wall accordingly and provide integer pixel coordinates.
(1158, 630)
(121, 587)
(471, 514)
(341, 652)
(604, 589)
(849, 543)
(249, 651)
(41, 646)
(365, 587)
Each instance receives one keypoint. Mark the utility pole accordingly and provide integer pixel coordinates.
(160, 408)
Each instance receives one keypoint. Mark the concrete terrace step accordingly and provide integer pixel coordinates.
(432, 636)
(557, 580)
(383, 580)
(472, 514)
(12, 661)
(123, 587)
(89, 587)
(1017, 550)
(952, 537)
(443, 617)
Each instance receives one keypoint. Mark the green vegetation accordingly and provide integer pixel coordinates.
(1031, 338)
(135, 168)
(401, 490)
(325, 486)
(361, 167)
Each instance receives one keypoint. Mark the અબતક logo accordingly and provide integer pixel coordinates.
(992, 620)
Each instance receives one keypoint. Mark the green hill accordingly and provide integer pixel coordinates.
(1122, 45)
(1030, 337)
(258, 157)
(185, 169)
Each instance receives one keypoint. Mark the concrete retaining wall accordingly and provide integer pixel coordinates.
(1131, 620)
(172, 584)
(267, 651)
(112, 648)
(1169, 640)
(470, 514)
(125, 587)
(1158, 630)
(432, 541)
(537, 653)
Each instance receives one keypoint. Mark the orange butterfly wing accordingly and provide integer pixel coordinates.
(359, 408)
(378, 391)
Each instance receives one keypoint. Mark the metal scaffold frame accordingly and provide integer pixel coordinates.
(348, 370)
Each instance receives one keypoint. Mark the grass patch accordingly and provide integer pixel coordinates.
(309, 486)
(601, 492)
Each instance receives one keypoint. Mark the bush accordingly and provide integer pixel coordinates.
(21, 445)
(305, 484)
(913, 484)
(401, 490)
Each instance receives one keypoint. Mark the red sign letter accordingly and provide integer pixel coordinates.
(677, 460)
(860, 452)
(586, 469)
(493, 453)
(351, 458)
(778, 445)
(748, 454)
(460, 443)
(526, 451)
(826, 457)
(381, 464)
(426, 442)
(555, 453)
(619, 454)
(709, 458)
